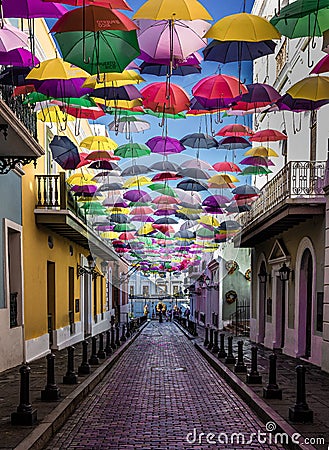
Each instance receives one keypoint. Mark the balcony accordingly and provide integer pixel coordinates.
(18, 137)
(294, 195)
(57, 210)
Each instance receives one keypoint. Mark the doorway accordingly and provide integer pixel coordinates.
(306, 303)
(261, 304)
(51, 297)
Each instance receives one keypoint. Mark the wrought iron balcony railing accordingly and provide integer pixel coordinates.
(53, 194)
(22, 112)
(298, 180)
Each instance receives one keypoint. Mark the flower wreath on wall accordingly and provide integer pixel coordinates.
(247, 274)
(231, 297)
(161, 307)
(231, 266)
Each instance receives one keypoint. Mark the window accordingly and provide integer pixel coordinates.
(145, 291)
(175, 289)
(131, 290)
(281, 58)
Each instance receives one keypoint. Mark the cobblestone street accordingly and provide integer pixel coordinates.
(159, 391)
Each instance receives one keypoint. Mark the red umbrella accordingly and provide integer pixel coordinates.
(112, 4)
(84, 113)
(127, 236)
(162, 97)
(225, 166)
(93, 18)
(219, 87)
(163, 176)
(268, 135)
(235, 129)
(322, 66)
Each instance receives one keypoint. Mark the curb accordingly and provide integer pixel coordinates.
(40, 436)
(189, 336)
(259, 406)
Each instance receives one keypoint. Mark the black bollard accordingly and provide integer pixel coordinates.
(211, 339)
(222, 353)
(70, 377)
(215, 348)
(113, 346)
(123, 334)
(117, 336)
(108, 349)
(25, 414)
(230, 359)
(253, 376)
(272, 390)
(128, 333)
(51, 392)
(93, 360)
(160, 316)
(101, 353)
(240, 366)
(84, 368)
(300, 412)
(206, 339)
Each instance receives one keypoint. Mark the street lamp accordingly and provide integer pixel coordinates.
(91, 270)
(284, 272)
(262, 275)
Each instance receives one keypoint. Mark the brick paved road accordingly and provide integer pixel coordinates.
(159, 391)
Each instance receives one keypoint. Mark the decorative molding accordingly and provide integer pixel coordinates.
(8, 163)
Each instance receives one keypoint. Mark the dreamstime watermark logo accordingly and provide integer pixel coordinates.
(269, 437)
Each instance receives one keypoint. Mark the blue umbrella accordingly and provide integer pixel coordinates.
(64, 152)
(231, 51)
(162, 70)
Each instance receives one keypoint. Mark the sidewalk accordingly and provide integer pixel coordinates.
(12, 436)
(317, 386)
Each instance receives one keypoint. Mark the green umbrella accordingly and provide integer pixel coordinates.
(167, 115)
(124, 227)
(132, 150)
(205, 233)
(35, 97)
(163, 189)
(94, 208)
(255, 170)
(103, 51)
(303, 18)
(85, 101)
(123, 112)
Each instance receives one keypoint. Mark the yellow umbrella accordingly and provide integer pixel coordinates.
(54, 114)
(113, 79)
(109, 235)
(311, 88)
(137, 181)
(120, 104)
(221, 178)
(172, 9)
(261, 151)
(117, 210)
(98, 143)
(89, 199)
(189, 211)
(243, 27)
(57, 69)
(209, 220)
(80, 179)
(147, 228)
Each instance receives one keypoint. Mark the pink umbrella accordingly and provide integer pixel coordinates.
(185, 37)
(164, 176)
(235, 129)
(322, 66)
(257, 161)
(165, 200)
(193, 59)
(12, 38)
(226, 166)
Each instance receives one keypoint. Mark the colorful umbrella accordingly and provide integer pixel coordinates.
(192, 185)
(314, 88)
(169, 9)
(287, 103)
(233, 143)
(268, 135)
(161, 97)
(215, 200)
(226, 166)
(129, 125)
(31, 9)
(132, 150)
(199, 140)
(98, 143)
(219, 87)
(64, 152)
(112, 4)
(166, 176)
(260, 94)
(261, 151)
(322, 66)
(235, 129)
(18, 57)
(256, 170)
(135, 195)
(163, 189)
(257, 161)
(194, 172)
(136, 181)
(231, 51)
(161, 70)
(127, 92)
(165, 145)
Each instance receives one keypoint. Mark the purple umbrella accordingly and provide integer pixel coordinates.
(161, 70)
(286, 102)
(213, 210)
(128, 92)
(165, 146)
(60, 88)
(31, 9)
(217, 103)
(259, 92)
(192, 59)
(85, 189)
(135, 195)
(142, 219)
(164, 212)
(215, 200)
(19, 57)
(257, 161)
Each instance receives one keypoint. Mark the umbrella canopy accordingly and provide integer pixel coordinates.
(268, 135)
(31, 9)
(135, 169)
(246, 189)
(322, 66)
(243, 27)
(219, 87)
(136, 181)
(135, 195)
(104, 51)
(129, 125)
(161, 98)
(166, 176)
(196, 164)
(256, 170)
(113, 79)
(163, 189)
(161, 70)
(98, 143)
(215, 200)
(18, 57)
(164, 166)
(260, 93)
(93, 18)
(226, 166)
(287, 103)
(233, 143)
(112, 4)
(165, 200)
(98, 155)
(192, 185)
(185, 37)
(165, 145)
(194, 172)
(231, 51)
(314, 88)
(132, 150)
(169, 9)
(235, 129)
(261, 151)
(64, 152)
(257, 161)
(199, 140)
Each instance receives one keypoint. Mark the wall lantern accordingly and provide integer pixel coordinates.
(284, 273)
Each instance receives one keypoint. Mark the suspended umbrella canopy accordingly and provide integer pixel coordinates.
(129, 125)
(54, 115)
(127, 93)
(196, 164)
(113, 79)
(231, 51)
(98, 155)
(165, 221)
(85, 113)
(132, 150)
(256, 170)
(146, 229)
(85, 189)
(166, 176)
(235, 129)
(93, 18)
(322, 66)
(124, 227)
(185, 37)
(165, 200)
(234, 143)
(64, 152)
(268, 135)
(31, 9)
(215, 200)
(199, 140)
(164, 166)
(260, 93)
(219, 87)
(98, 143)
(288, 103)
(112, 4)
(80, 178)
(161, 70)
(185, 234)
(314, 88)
(119, 218)
(179, 115)
(141, 211)
(141, 218)
(168, 9)
(257, 161)
(104, 51)
(192, 185)
(243, 27)
(303, 18)
(105, 165)
(135, 169)
(261, 151)
(222, 178)
(163, 188)
(163, 98)
(196, 173)
(208, 220)
(229, 225)
(165, 145)
(137, 181)
(191, 198)
(18, 57)
(226, 166)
